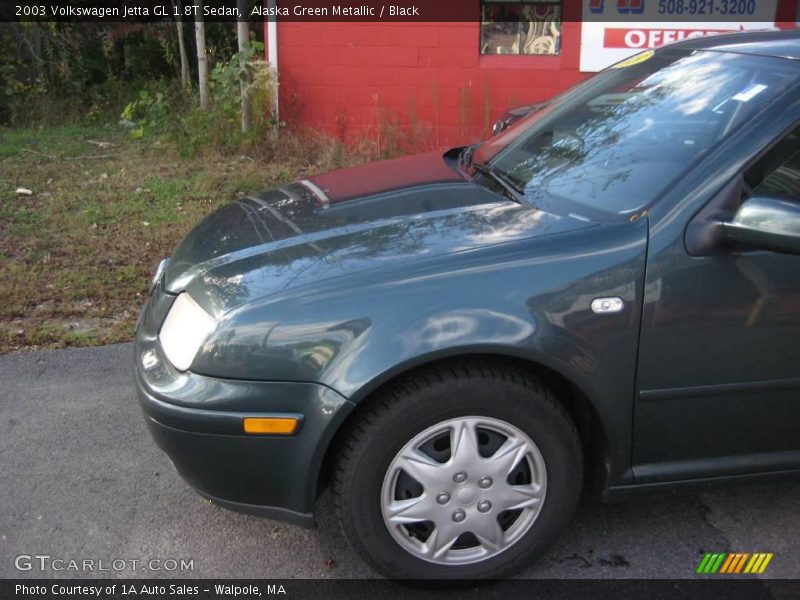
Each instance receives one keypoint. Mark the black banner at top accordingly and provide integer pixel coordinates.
(143, 11)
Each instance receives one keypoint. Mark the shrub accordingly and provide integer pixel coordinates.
(150, 113)
(180, 117)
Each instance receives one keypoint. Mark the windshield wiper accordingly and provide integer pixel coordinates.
(513, 191)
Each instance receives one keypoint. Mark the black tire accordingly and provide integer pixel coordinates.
(433, 395)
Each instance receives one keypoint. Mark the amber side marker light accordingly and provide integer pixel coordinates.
(271, 425)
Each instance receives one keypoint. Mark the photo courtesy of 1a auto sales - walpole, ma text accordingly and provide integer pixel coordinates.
(428, 299)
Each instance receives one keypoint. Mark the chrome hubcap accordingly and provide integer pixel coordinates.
(463, 490)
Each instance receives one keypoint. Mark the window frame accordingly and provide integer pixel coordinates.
(558, 41)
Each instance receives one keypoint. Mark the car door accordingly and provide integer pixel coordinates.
(718, 379)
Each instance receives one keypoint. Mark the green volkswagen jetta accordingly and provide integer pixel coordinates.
(605, 296)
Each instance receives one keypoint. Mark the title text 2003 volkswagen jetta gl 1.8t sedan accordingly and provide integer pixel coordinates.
(606, 294)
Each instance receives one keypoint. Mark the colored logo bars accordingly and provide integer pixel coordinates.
(734, 563)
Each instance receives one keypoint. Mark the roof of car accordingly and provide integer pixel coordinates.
(776, 43)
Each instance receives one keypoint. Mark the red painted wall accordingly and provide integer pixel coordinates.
(416, 85)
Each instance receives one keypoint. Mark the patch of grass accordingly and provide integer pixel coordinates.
(76, 256)
(69, 138)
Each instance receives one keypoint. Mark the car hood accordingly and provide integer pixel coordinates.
(373, 217)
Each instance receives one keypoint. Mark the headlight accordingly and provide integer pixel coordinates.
(186, 327)
(159, 272)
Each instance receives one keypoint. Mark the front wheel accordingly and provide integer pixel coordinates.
(458, 473)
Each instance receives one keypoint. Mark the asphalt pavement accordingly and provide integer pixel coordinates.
(80, 479)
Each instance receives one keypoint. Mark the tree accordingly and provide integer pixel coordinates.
(202, 59)
(182, 45)
(243, 36)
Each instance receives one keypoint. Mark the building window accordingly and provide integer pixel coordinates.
(520, 27)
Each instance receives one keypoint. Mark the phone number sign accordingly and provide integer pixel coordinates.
(613, 30)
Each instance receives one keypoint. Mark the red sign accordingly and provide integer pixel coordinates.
(651, 38)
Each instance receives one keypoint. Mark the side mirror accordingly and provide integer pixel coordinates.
(514, 115)
(767, 222)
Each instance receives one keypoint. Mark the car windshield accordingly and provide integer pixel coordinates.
(612, 145)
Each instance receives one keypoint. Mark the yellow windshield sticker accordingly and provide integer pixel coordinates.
(634, 60)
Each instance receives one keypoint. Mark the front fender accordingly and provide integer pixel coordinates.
(529, 300)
